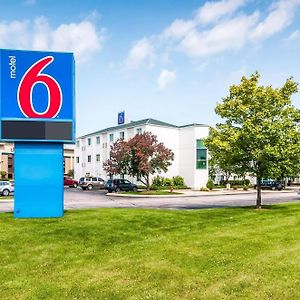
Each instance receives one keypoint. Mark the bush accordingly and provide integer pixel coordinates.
(158, 181)
(236, 182)
(210, 184)
(245, 187)
(168, 182)
(204, 189)
(3, 174)
(178, 181)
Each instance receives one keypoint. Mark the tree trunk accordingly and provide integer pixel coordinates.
(148, 182)
(258, 190)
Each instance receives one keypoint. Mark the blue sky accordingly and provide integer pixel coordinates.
(172, 60)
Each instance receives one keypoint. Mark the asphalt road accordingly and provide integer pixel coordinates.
(78, 199)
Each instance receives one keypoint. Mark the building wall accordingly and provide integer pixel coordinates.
(181, 140)
(7, 158)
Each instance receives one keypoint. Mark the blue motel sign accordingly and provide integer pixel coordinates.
(37, 113)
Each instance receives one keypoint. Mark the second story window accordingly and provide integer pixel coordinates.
(111, 137)
(139, 130)
(97, 157)
(122, 135)
(89, 158)
(89, 141)
(77, 144)
(77, 159)
(98, 139)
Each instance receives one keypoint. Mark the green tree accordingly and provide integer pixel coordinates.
(260, 131)
(71, 173)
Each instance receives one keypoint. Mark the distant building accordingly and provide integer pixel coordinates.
(190, 154)
(7, 158)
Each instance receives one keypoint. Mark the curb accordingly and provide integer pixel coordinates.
(190, 195)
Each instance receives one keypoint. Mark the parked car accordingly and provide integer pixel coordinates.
(6, 188)
(91, 183)
(271, 184)
(68, 181)
(117, 185)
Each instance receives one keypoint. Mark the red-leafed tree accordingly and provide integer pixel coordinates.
(139, 157)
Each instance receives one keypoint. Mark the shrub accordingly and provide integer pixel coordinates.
(245, 187)
(204, 189)
(158, 181)
(236, 182)
(178, 181)
(168, 182)
(3, 174)
(210, 184)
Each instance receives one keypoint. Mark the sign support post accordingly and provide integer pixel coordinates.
(38, 180)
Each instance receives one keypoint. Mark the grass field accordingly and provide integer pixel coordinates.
(151, 192)
(236, 253)
(6, 198)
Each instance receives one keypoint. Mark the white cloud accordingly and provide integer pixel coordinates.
(224, 36)
(29, 2)
(212, 11)
(281, 15)
(294, 36)
(178, 29)
(216, 27)
(165, 78)
(142, 52)
(81, 38)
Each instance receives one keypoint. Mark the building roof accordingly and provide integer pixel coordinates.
(148, 121)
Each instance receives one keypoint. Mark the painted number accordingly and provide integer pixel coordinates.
(29, 80)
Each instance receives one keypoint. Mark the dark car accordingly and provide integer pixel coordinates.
(271, 185)
(117, 185)
(68, 181)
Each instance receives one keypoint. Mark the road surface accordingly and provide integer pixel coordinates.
(78, 199)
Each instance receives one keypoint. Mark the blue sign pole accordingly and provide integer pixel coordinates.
(37, 113)
(38, 180)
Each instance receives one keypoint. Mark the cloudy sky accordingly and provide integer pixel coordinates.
(172, 60)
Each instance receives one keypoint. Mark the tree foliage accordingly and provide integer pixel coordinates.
(139, 157)
(260, 131)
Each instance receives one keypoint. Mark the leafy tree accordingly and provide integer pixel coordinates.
(71, 173)
(119, 159)
(139, 157)
(260, 132)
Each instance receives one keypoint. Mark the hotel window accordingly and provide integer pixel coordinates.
(89, 141)
(97, 157)
(122, 135)
(98, 139)
(77, 144)
(89, 158)
(111, 137)
(201, 155)
(139, 130)
(77, 159)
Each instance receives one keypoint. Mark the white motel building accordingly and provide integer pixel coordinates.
(186, 142)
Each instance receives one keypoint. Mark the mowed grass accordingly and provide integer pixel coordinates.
(158, 192)
(236, 253)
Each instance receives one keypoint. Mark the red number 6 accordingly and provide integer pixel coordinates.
(29, 80)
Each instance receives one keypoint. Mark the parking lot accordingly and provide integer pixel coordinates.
(76, 198)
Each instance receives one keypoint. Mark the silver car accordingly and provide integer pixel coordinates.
(91, 183)
(6, 188)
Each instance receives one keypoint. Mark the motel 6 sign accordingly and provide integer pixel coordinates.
(37, 96)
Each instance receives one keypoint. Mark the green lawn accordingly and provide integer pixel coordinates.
(6, 198)
(151, 192)
(237, 253)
